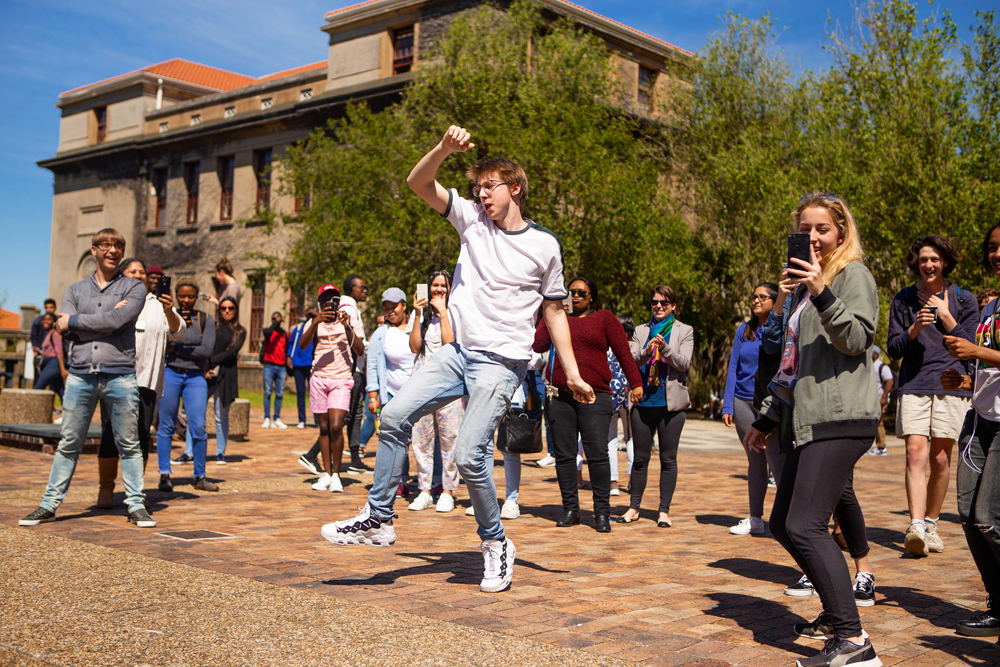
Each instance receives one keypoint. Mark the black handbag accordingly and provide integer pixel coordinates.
(520, 431)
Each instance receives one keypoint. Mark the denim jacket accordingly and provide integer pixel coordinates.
(376, 367)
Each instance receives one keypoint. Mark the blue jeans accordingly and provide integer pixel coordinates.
(50, 376)
(221, 429)
(192, 387)
(274, 379)
(301, 375)
(368, 424)
(120, 395)
(452, 372)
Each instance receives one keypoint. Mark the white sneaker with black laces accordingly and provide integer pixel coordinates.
(361, 529)
(802, 588)
(864, 589)
(499, 565)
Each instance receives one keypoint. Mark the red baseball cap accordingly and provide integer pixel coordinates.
(328, 288)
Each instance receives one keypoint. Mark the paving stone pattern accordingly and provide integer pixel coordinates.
(692, 594)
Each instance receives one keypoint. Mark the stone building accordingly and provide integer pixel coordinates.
(174, 154)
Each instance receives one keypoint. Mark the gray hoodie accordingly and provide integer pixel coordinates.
(103, 336)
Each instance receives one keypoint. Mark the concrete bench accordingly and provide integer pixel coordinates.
(239, 419)
(27, 406)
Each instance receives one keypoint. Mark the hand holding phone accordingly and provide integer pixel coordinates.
(163, 286)
(799, 247)
(422, 291)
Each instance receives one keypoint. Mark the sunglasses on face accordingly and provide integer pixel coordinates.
(579, 292)
(759, 297)
(662, 303)
(227, 309)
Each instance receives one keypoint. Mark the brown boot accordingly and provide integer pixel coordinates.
(107, 470)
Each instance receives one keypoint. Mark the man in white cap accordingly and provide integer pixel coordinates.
(508, 269)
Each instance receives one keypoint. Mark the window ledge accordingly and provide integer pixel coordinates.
(156, 231)
(187, 230)
(219, 226)
(256, 223)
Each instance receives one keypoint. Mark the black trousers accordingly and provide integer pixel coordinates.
(812, 485)
(851, 520)
(667, 426)
(147, 405)
(978, 491)
(569, 418)
(356, 414)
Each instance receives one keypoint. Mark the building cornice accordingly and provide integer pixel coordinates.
(122, 83)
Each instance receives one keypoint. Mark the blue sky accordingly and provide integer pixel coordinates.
(49, 46)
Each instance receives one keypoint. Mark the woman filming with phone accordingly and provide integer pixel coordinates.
(338, 337)
(430, 334)
(824, 404)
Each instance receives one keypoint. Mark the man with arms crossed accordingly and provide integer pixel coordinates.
(507, 268)
(99, 312)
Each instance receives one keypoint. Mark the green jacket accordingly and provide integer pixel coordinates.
(835, 394)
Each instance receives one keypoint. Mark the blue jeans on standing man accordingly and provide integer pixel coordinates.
(489, 380)
(274, 379)
(120, 394)
(192, 387)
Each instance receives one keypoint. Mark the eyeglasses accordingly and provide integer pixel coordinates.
(760, 297)
(363, 288)
(486, 187)
(106, 246)
(579, 292)
(662, 303)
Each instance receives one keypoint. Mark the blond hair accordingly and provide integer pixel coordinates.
(848, 251)
(509, 172)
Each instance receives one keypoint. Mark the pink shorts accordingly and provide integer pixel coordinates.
(329, 394)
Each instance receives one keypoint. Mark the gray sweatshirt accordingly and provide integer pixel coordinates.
(103, 336)
(192, 350)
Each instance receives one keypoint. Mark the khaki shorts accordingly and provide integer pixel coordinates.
(937, 416)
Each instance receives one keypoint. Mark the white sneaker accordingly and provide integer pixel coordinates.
(301, 425)
(446, 503)
(546, 462)
(748, 526)
(323, 484)
(361, 529)
(266, 423)
(470, 511)
(422, 502)
(510, 510)
(499, 565)
(615, 491)
(278, 424)
(335, 485)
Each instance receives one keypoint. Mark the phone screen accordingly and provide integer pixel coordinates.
(798, 247)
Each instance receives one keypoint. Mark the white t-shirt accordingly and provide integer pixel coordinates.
(398, 359)
(500, 281)
(986, 386)
(882, 374)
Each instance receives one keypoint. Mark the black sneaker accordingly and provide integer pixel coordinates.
(818, 629)
(141, 518)
(40, 515)
(984, 625)
(771, 484)
(864, 589)
(165, 484)
(842, 652)
(220, 459)
(312, 465)
(183, 458)
(204, 484)
(802, 588)
(359, 467)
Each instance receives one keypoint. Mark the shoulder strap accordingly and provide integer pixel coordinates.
(201, 321)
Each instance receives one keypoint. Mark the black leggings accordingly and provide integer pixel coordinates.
(812, 486)
(851, 520)
(147, 405)
(591, 421)
(667, 425)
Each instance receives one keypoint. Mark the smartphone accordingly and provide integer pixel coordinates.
(799, 247)
(203, 296)
(163, 287)
(422, 292)
(933, 310)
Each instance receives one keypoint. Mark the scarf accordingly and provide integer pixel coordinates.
(653, 371)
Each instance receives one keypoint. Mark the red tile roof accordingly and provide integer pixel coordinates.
(184, 70)
(329, 15)
(9, 320)
(294, 70)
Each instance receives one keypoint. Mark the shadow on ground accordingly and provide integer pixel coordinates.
(760, 570)
(465, 567)
(749, 612)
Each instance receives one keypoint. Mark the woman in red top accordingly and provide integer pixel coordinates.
(593, 332)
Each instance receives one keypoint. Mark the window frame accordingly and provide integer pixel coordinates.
(645, 89)
(257, 281)
(403, 63)
(101, 118)
(161, 178)
(226, 172)
(262, 160)
(192, 176)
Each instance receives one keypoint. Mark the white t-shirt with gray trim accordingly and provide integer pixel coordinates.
(500, 281)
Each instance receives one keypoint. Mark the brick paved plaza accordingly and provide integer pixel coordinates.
(90, 589)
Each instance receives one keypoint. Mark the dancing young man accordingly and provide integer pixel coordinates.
(507, 268)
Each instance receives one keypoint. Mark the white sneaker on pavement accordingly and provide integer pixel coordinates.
(510, 510)
(266, 423)
(445, 503)
(361, 529)
(335, 485)
(277, 423)
(323, 483)
(748, 526)
(422, 502)
(470, 511)
(546, 462)
(301, 425)
(498, 556)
